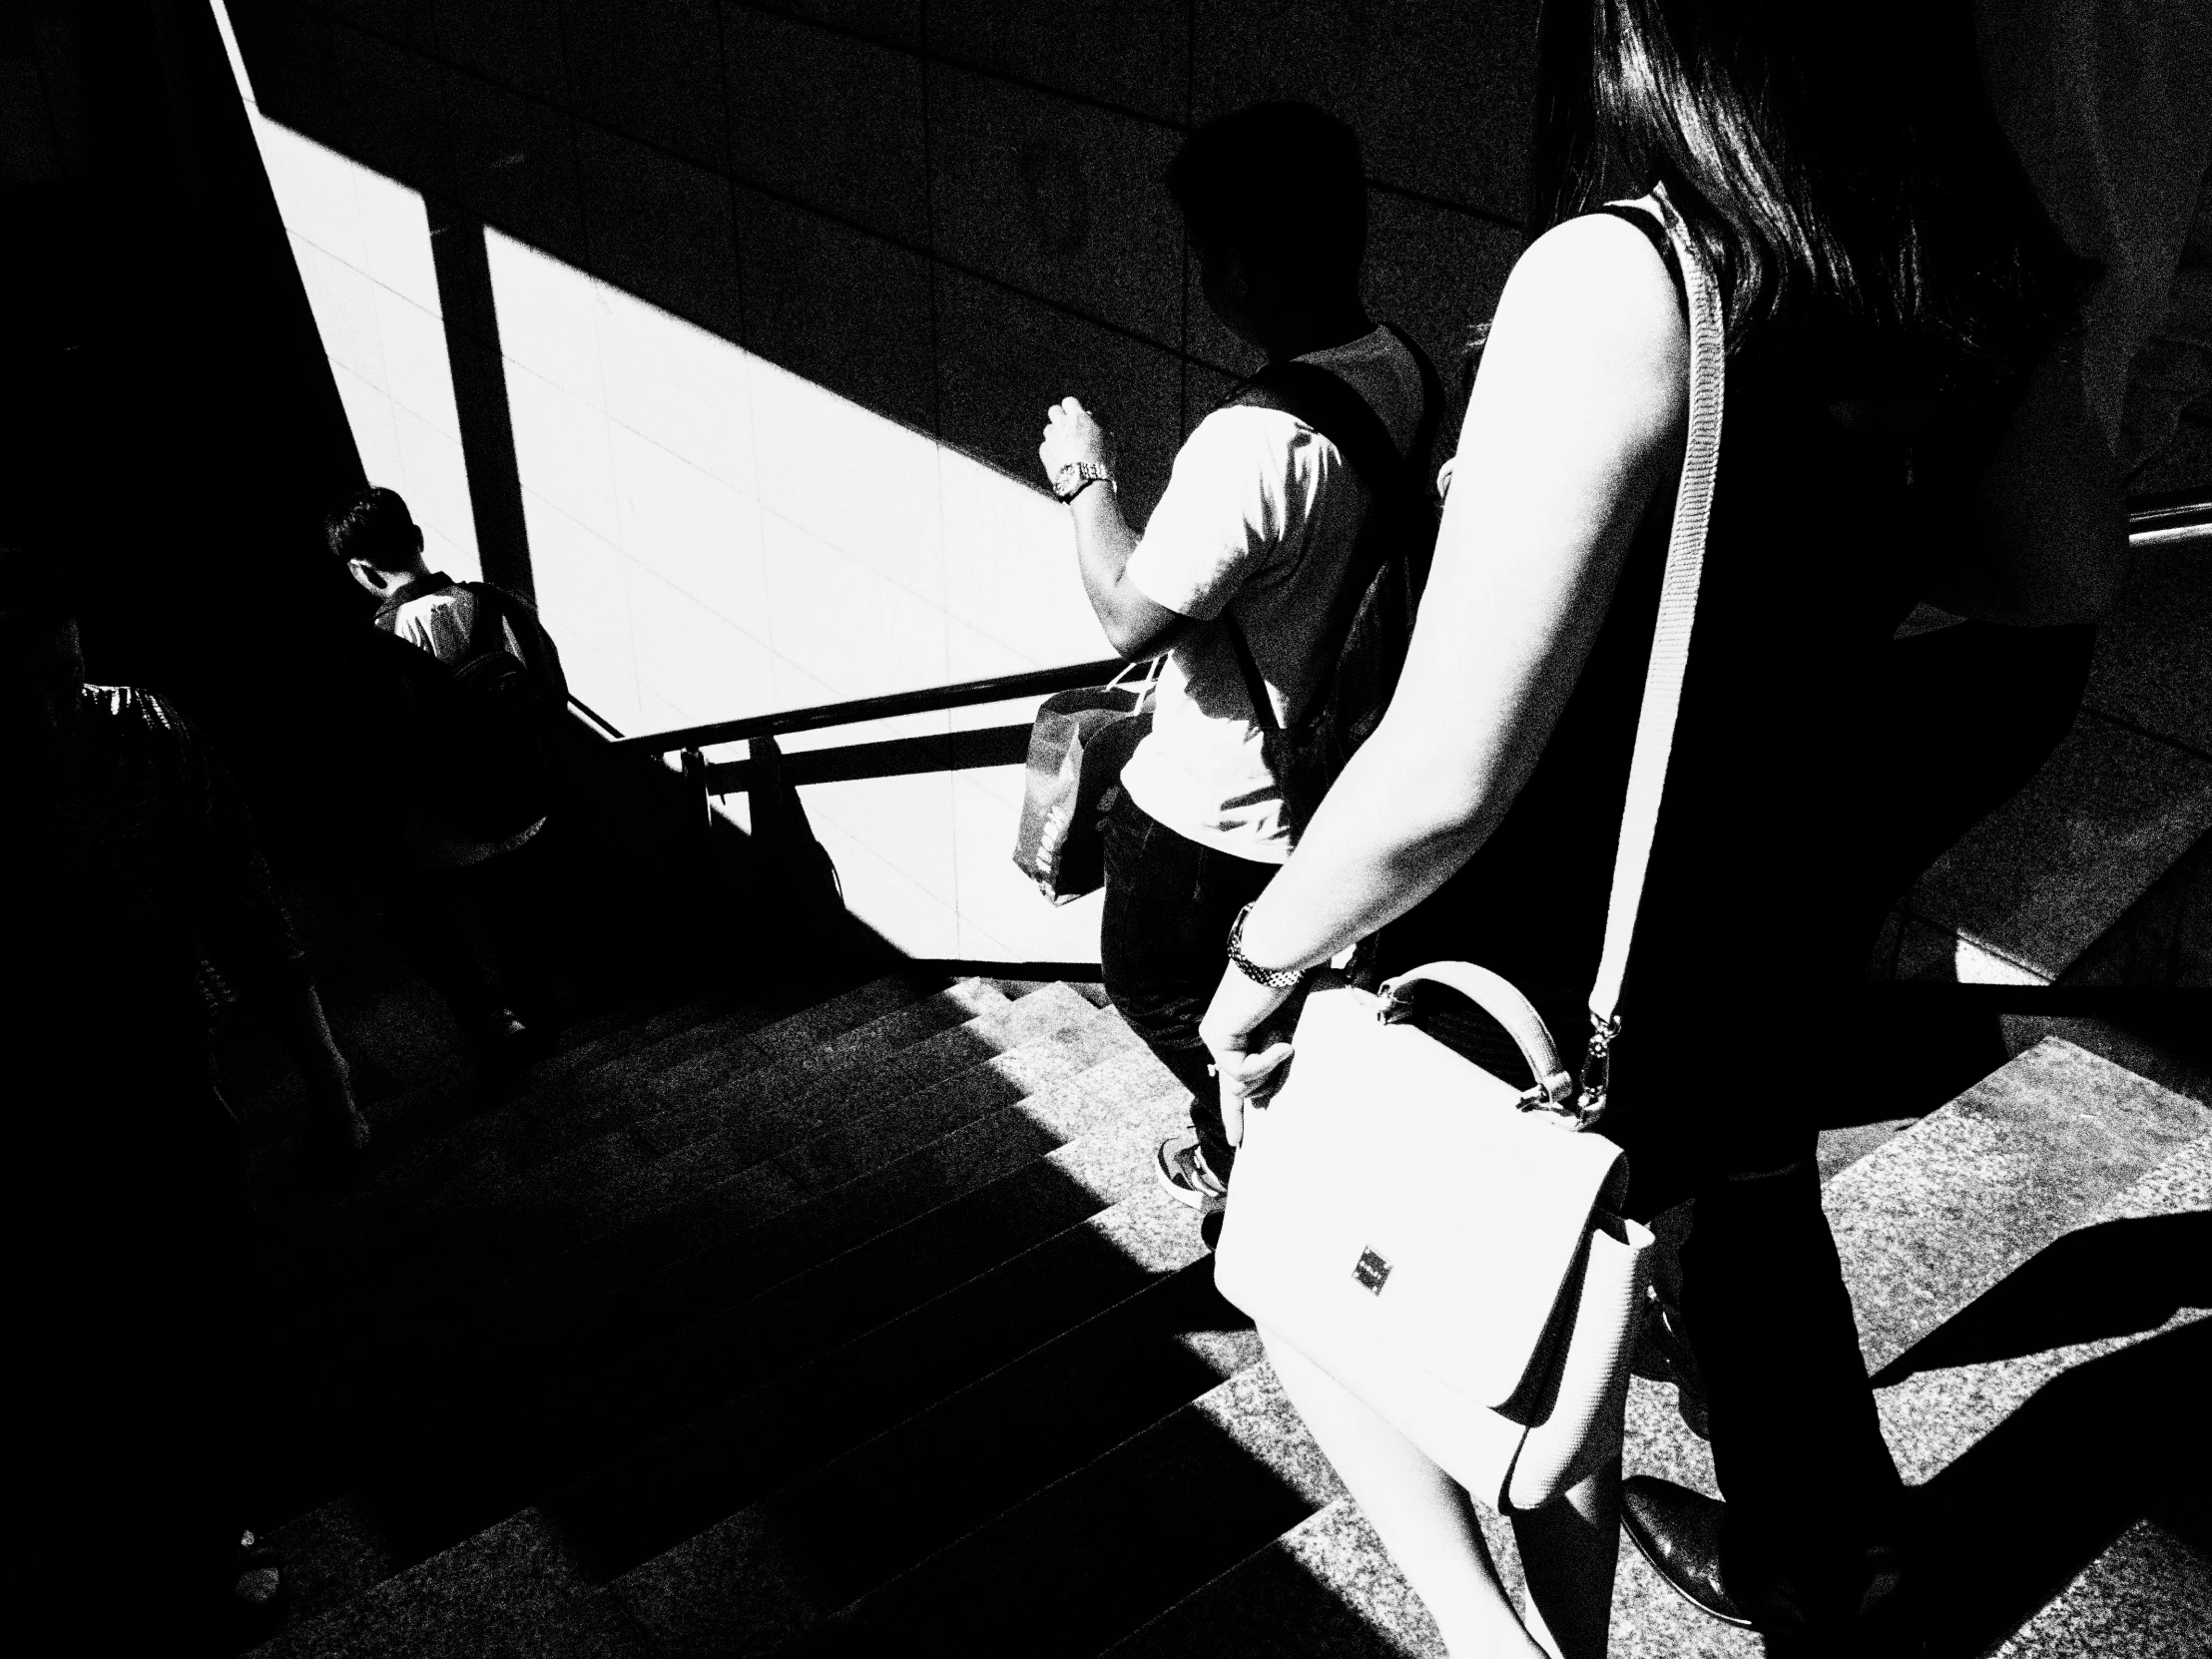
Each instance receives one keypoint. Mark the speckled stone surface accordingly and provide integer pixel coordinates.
(1946, 1209)
(512, 1591)
(1651, 1622)
(920, 1044)
(1340, 1549)
(2152, 647)
(330, 1555)
(1252, 1410)
(2149, 1597)
(552, 1215)
(670, 1210)
(713, 1249)
(2165, 938)
(591, 1092)
(698, 1095)
(2039, 880)
(1934, 1418)
(1325, 1589)
(1655, 1440)
(709, 1593)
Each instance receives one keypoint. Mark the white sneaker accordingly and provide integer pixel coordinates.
(1182, 1172)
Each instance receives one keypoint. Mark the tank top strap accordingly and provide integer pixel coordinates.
(1655, 232)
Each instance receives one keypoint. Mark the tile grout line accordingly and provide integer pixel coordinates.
(728, 172)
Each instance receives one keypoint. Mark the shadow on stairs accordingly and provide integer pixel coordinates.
(862, 1327)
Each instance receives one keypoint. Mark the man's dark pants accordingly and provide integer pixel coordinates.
(432, 911)
(1163, 944)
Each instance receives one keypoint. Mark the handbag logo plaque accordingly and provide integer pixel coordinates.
(1371, 1270)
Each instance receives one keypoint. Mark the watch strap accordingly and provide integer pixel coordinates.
(1276, 980)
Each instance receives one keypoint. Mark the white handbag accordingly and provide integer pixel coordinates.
(1445, 1246)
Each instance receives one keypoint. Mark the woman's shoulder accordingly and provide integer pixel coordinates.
(1598, 260)
(1591, 295)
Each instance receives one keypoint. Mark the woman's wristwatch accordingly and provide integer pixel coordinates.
(1077, 476)
(1276, 980)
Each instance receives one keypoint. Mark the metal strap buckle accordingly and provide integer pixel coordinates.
(1598, 1069)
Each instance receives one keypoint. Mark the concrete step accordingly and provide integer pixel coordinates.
(2049, 886)
(785, 1140)
(915, 1319)
(1107, 1548)
(331, 1555)
(1940, 1214)
(1072, 1206)
(1325, 1589)
(568, 1096)
(512, 1591)
(2149, 1595)
(791, 1213)
(720, 1128)
(1127, 1089)
(647, 1129)
(1132, 1263)
(1067, 1200)
(781, 1563)
(2031, 888)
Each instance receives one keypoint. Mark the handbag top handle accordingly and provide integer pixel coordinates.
(1670, 651)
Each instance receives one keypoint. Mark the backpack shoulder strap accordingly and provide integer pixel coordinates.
(484, 632)
(1326, 402)
(1431, 402)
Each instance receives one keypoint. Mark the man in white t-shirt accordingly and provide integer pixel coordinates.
(1256, 532)
(460, 848)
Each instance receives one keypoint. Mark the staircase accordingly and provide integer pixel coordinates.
(864, 1329)
(2099, 872)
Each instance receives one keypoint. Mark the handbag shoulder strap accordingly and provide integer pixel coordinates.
(1670, 650)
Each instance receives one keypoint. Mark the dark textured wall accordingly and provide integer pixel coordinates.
(945, 210)
(169, 426)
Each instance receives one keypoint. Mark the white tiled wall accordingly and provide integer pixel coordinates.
(363, 244)
(713, 536)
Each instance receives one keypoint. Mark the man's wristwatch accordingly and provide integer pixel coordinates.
(1077, 476)
(1276, 980)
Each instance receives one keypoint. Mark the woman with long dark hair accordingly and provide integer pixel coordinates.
(1901, 424)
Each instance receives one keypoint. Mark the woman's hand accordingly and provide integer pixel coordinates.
(1072, 433)
(1235, 1031)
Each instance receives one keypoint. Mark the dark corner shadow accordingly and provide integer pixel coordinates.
(2117, 1279)
(2009, 1525)
(734, 906)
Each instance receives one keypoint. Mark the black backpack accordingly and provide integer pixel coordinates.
(491, 737)
(1372, 613)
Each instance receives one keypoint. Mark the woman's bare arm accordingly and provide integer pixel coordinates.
(1576, 418)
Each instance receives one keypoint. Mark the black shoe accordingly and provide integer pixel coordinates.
(1663, 1354)
(1679, 1534)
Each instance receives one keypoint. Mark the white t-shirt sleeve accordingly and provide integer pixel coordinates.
(1242, 485)
(438, 624)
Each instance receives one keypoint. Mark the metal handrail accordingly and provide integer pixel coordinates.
(2159, 520)
(966, 694)
(2163, 520)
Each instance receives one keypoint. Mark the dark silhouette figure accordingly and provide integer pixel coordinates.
(127, 867)
(478, 694)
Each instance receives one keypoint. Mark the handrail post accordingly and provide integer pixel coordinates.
(702, 829)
